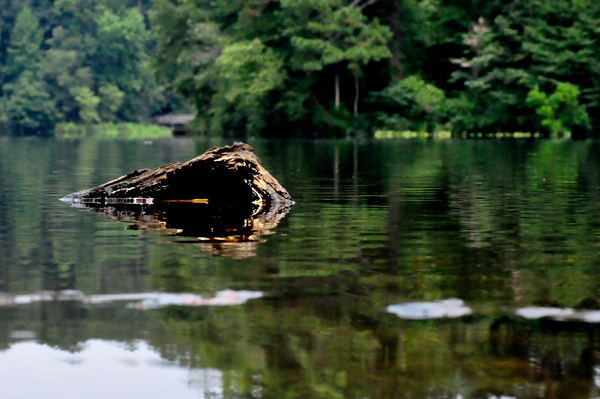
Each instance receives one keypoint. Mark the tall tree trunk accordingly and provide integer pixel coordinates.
(337, 90)
(336, 172)
(396, 44)
(140, 9)
(356, 96)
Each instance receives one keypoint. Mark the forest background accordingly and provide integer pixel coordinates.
(317, 68)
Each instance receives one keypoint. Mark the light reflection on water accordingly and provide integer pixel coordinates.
(379, 231)
(141, 300)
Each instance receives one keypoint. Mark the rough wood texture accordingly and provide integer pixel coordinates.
(224, 198)
(231, 174)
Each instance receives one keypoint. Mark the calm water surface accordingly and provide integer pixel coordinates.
(406, 269)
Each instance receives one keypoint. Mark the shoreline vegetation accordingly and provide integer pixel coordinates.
(120, 131)
(390, 134)
(131, 131)
(304, 68)
(138, 131)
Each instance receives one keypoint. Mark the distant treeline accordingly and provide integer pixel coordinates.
(333, 66)
(306, 67)
(85, 61)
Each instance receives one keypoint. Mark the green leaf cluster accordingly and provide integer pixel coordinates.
(423, 106)
(560, 110)
(248, 72)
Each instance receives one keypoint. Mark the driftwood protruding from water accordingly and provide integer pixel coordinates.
(224, 198)
(231, 174)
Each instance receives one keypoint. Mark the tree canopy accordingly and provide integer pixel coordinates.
(329, 67)
(305, 67)
(78, 61)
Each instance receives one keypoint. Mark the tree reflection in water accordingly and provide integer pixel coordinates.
(507, 227)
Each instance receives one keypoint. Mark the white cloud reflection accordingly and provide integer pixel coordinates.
(103, 369)
(142, 300)
(447, 308)
(559, 314)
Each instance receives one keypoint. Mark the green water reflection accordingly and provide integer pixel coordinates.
(499, 224)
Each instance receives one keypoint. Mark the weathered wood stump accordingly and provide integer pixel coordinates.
(224, 198)
(231, 174)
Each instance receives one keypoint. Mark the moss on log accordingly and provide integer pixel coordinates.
(231, 174)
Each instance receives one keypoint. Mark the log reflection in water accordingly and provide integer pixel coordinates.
(220, 229)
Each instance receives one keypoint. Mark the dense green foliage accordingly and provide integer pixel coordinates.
(76, 61)
(338, 66)
(305, 67)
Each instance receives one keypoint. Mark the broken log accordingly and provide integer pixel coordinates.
(231, 174)
(224, 198)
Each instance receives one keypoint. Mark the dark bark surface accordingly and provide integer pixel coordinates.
(231, 174)
(224, 198)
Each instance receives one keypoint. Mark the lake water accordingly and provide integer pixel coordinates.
(406, 269)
